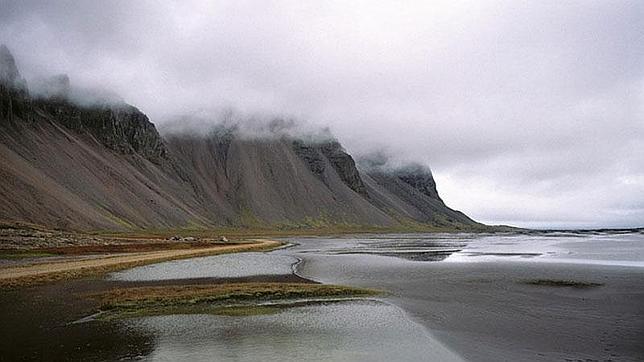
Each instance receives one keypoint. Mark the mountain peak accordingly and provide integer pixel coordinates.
(9, 74)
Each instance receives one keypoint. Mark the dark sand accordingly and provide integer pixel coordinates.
(485, 311)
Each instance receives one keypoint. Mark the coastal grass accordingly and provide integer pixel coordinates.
(233, 299)
(135, 247)
(99, 270)
(562, 283)
(25, 236)
(287, 230)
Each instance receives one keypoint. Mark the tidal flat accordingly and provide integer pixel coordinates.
(476, 301)
(478, 297)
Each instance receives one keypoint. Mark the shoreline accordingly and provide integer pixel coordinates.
(481, 310)
(21, 236)
(31, 274)
(487, 311)
(32, 312)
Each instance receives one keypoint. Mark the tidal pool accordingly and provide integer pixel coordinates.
(237, 265)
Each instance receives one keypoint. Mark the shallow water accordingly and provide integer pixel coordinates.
(467, 284)
(219, 266)
(596, 248)
(366, 330)
(475, 298)
(347, 331)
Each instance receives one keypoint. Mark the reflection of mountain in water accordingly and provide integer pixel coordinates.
(423, 256)
(409, 249)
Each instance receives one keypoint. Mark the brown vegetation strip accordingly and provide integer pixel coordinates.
(132, 247)
(143, 297)
(34, 274)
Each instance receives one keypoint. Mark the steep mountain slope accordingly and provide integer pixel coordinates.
(105, 166)
(265, 181)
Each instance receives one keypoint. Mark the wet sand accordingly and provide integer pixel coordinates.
(486, 311)
(481, 311)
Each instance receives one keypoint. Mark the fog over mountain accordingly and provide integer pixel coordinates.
(529, 113)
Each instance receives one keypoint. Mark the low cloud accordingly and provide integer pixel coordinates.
(245, 125)
(530, 113)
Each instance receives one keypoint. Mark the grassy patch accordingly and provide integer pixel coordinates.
(306, 227)
(195, 294)
(151, 311)
(562, 283)
(237, 299)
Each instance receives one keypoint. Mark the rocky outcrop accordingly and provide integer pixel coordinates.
(311, 156)
(409, 191)
(317, 155)
(344, 165)
(14, 100)
(420, 178)
(9, 73)
(122, 128)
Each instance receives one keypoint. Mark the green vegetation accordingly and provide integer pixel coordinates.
(308, 227)
(562, 283)
(113, 218)
(195, 294)
(238, 299)
(249, 219)
(252, 228)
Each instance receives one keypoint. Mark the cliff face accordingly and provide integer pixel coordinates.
(411, 195)
(9, 73)
(277, 181)
(105, 166)
(420, 178)
(318, 154)
(121, 128)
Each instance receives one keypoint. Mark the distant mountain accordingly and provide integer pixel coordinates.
(104, 165)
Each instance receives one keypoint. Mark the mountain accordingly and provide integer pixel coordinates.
(103, 165)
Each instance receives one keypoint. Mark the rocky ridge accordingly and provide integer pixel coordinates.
(104, 165)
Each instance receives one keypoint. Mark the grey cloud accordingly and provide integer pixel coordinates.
(245, 125)
(528, 112)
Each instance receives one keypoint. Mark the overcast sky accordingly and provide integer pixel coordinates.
(529, 113)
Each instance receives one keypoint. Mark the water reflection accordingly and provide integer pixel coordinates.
(590, 247)
(435, 248)
(219, 266)
(356, 331)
